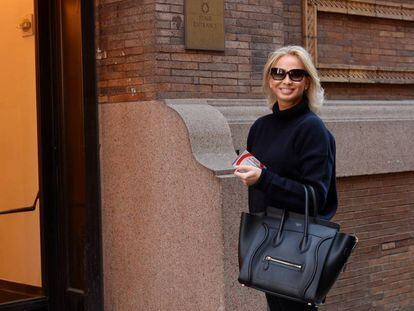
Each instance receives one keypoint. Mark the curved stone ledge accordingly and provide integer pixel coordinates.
(209, 134)
(372, 137)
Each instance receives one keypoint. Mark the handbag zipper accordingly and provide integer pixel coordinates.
(283, 262)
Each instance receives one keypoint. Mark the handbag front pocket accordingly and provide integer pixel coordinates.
(272, 260)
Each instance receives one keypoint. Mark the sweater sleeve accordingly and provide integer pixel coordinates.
(250, 137)
(316, 162)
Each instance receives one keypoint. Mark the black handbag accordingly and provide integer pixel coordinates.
(291, 255)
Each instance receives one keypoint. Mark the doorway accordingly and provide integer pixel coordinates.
(50, 234)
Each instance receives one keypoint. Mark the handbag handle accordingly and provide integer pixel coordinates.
(304, 243)
(315, 207)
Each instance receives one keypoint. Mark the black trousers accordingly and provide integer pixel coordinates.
(280, 304)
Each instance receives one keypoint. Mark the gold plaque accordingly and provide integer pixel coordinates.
(204, 24)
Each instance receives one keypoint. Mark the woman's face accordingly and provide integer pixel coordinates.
(288, 92)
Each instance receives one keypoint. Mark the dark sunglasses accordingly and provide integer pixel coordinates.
(295, 75)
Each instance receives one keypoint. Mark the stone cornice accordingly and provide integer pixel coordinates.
(372, 136)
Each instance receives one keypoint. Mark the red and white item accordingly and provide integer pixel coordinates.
(246, 158)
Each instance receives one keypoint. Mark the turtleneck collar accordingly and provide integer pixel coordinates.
(292, 112)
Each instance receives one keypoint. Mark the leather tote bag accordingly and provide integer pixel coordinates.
(291, 255)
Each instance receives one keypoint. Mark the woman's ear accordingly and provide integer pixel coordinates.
(307, 84)
(269, 81)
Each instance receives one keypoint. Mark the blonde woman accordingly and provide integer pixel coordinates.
(293, 144)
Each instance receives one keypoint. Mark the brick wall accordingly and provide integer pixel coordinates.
(252, 30)
(380, 275)
(360, 40)
(144, 55)
(292, 18)
(146, 58)
(366, 41)
(125, 35)
(357, 40)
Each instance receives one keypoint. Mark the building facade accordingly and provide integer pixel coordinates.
(172, 120)
(122, 119)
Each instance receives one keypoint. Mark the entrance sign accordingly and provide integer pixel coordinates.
(204, 25)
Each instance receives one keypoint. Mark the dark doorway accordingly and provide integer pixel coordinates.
(69, 197)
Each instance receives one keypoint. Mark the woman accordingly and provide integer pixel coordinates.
(293, 144)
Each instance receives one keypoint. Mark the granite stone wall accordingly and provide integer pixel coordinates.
(161, 214)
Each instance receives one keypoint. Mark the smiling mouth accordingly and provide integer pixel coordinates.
(286, 91)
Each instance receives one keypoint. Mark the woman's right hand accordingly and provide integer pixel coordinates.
(249, 175)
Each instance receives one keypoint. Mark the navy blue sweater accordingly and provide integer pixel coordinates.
(297, 149)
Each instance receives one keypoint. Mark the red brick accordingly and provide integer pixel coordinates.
(382, 277)
(231, 89)
(191, 57)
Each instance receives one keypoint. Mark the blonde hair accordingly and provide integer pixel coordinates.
(314, 93)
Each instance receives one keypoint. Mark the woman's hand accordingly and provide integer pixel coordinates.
(249, 175)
